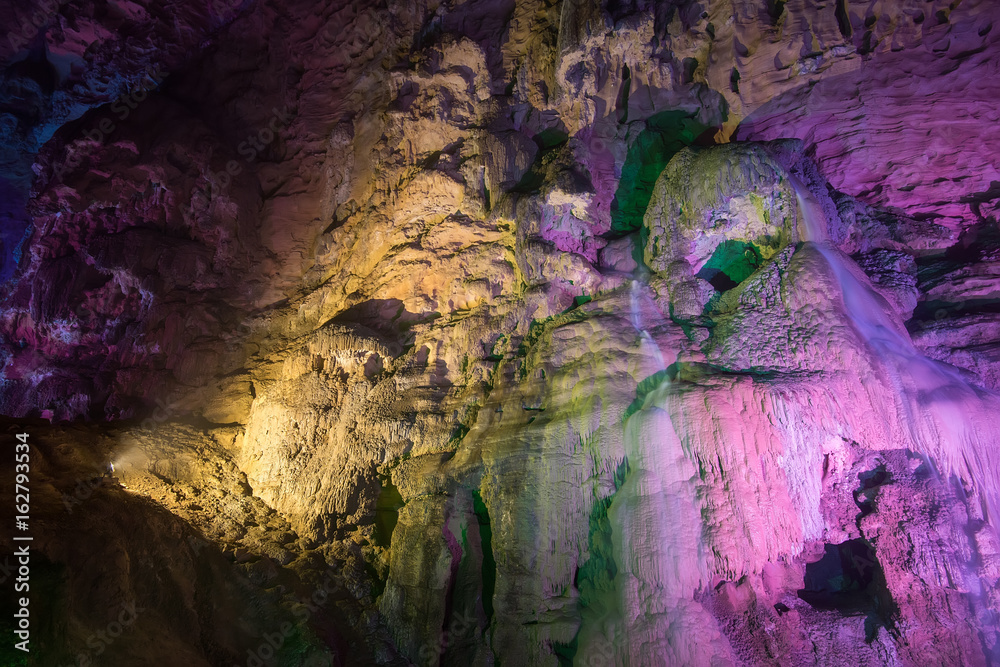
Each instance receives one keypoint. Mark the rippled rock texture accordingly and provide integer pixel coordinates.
(522, 333)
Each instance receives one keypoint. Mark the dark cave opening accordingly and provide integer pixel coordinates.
(387, 318)
(547, 140)
(849, 579)
(387, 507)
(842, 579)
(843, 19)
(489, 563)
(666, 133)
(864, 496)
(621, 109)
(731, 264)
(775, 8)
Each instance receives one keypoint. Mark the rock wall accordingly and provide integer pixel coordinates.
(529, 332)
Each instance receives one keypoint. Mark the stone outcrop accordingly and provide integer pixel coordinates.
(534, 333)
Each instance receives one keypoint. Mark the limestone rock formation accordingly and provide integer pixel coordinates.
(527, 333)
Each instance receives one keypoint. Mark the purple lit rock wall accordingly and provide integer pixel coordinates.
(541, 333)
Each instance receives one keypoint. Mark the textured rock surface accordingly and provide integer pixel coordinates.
(453, 315)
